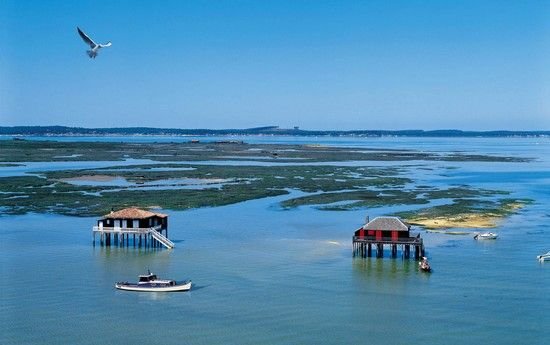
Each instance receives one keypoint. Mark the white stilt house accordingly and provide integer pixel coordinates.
(145, 227)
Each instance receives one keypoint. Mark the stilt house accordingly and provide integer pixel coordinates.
(386, 231)
(133, 221)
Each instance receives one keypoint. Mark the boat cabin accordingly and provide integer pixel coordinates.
(147, 278)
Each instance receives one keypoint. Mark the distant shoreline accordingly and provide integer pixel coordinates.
(258, 131)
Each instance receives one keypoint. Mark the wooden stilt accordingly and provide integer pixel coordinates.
(380, 250)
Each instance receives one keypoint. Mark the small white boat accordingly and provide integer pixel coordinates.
(544, 257)
(486, 236)
(151, 283)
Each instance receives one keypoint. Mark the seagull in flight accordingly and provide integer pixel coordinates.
(92, 53)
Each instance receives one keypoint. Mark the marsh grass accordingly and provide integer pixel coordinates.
(327, 187)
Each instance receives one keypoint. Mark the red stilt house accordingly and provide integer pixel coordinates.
(386, 230)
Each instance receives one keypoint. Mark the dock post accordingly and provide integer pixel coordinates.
(380, 250)
(407, 251)
(394, 250)
(369, 250)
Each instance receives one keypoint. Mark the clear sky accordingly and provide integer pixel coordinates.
(472, 65)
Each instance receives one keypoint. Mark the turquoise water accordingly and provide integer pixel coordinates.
(264, 275)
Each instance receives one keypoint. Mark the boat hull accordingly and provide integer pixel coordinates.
(486, 236)
(186, 286)
(425, 268)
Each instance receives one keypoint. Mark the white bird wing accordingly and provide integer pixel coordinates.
(86, 39)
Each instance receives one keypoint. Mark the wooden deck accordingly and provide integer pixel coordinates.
(388, 240)
(146, 236)
(362, 246)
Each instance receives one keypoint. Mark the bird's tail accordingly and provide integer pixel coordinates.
(92, 54)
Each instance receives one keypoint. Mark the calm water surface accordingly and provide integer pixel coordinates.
(264, 275)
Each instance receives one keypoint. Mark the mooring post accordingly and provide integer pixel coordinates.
(380, 250)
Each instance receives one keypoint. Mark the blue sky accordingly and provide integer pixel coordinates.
(472, 65)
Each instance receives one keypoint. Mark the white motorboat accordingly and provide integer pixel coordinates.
(544, 257)
(151, 283)
(486, 236)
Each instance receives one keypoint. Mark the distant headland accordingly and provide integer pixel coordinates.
(266, 130)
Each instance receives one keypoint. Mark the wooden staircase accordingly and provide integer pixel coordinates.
(161, 238)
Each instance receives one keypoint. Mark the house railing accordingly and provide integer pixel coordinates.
(153, 231)
(389, 240)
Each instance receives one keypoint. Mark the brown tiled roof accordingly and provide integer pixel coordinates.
(386, 223)
(133, 213)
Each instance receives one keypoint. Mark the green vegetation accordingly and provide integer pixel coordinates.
(52, 151)
(146, 187)
(465, 213)
(496, 208)
(357, 199)
(178, 180)
(269, 130)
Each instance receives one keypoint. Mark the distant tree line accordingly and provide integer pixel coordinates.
(267, 130)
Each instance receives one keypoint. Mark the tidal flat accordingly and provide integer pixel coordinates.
(192, 175)
(279, 269)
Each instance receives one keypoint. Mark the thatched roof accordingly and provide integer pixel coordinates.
(386, 224)
(133, 213)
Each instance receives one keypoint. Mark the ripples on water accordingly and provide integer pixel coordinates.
(267, 276)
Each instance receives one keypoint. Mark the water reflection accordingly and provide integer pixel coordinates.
(383, 268)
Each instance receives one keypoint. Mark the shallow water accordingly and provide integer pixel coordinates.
(263, 275)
